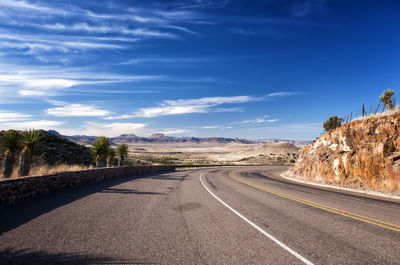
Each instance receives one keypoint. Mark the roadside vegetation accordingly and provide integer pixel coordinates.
(386, 107)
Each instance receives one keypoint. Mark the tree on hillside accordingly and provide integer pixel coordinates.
(10, 143)
(122, 152)
(110, 157)
(100, 149)
(387, 99)
(30, 141)
(332, 123)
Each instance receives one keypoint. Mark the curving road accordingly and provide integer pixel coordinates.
(243, 215)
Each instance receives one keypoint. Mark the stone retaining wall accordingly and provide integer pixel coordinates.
(16, 190)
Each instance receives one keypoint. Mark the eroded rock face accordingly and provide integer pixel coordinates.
(364, 153)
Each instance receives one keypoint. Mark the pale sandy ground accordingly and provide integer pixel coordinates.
(233, 152)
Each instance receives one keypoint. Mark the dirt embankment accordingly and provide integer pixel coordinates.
(364, 154)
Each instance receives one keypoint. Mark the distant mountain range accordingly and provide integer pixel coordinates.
(161, 138)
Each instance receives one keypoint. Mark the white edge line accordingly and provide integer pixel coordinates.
(276, 241)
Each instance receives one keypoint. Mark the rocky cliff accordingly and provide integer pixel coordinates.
(364, 153)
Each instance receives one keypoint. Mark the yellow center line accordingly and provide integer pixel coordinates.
(355, 216)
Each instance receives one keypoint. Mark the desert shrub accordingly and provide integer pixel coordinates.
(332, 123)
(292, 161)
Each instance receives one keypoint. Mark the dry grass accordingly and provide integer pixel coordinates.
(46, 169)
(386, 113)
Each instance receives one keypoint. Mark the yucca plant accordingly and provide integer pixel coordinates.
(30, 141)
(387, 99)
(10, 143)
(100, 149)
(122, 152)
(110, 157)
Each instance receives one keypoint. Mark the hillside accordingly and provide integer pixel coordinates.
(55, 150)
(364, 153)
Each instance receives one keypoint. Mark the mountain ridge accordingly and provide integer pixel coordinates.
(161, 138)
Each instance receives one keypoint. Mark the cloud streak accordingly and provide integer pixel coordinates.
(186, 106)
(77, 110)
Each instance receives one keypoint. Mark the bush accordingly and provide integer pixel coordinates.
(332, 123)
(386, 99)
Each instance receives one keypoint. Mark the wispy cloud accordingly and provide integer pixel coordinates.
(175, 131)
(203, 4)
(31, 124)
(185, 106)
(77, 110)
(49, 81)
(199, 105)
(13, 116)
(25, 5)
(258, 121)
(106, 129)
(106, 28)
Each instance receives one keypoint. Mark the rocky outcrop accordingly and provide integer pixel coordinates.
(364, 153)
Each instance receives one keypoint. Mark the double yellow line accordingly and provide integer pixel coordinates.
(348, 214)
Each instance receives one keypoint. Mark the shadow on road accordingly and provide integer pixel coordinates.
(126, 191)
(16, 215)
(19, 257)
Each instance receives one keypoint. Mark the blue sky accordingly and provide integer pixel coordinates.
(251, 69)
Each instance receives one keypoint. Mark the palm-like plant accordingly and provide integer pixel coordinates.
(122, 151)
(10, 143)
(110, 157)
(100, 150)
(387, 100)
(29, 141)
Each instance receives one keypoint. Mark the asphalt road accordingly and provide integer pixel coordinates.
(243, 215)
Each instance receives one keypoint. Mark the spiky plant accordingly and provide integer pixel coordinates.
(386, 99)
(110, 157)
(122, 152)
(30, 141)
(10, 143)
(100, 149)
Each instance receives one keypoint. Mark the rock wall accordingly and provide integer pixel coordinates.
(364, 154)
(19, 189)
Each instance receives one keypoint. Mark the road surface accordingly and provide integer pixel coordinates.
(243, 215)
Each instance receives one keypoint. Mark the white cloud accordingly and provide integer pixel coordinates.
(29, 93)
(48, 81)
(258, 121)
(175, 131)
(113, 28)
(209, 127)
(210, 101)
(33, 124)
(185, 106)
(171, 110)
(281, 94)
(77, 110)
(13, 116)
(106, 129)
(19, 4)
(121, 117)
